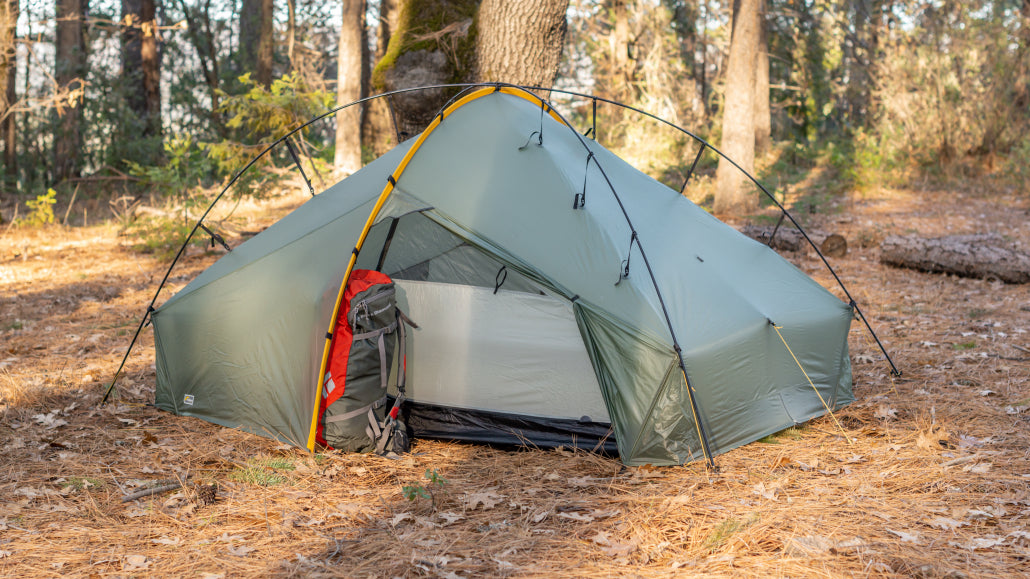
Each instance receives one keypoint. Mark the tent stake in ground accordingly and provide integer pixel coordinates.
(681, 363)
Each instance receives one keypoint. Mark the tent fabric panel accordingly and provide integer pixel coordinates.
(499, 428)
(748, 382)
(671, 436)
(247, 345)
(508, 352)
(630, 369)
(475, 174)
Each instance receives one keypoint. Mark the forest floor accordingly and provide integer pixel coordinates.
(931, 481)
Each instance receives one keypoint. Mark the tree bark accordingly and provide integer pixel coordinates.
(461, 44)
(979, 256)
(734, 191)
(257, 42)
(763, 114)
(377, 130)
(141, 65)
(351, 85)
(8, 73)
(70, 72)
(520, 42)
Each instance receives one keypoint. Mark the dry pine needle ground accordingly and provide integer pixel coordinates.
(934, 482)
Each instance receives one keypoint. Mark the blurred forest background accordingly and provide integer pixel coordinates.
(160, 102)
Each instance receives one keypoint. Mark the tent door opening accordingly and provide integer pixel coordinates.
(500, 362)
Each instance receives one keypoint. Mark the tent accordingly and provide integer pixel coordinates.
(562, 297)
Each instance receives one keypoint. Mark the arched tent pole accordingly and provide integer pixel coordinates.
(706, 145)
(200, 221)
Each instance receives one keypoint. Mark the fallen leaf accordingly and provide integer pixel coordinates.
(4, 554)
(599, 514)
(761, 490)
(135, 562)
(946, 523)
(811, 545)
(979, 468)
(540, 516)
(241, 550)
(227, 538)
(487, 498)
(980, 543)
(450, 518)
(586, 481)
(400, 518)
(620, 549)
(884, 412)
(167, 541)
(577, 517)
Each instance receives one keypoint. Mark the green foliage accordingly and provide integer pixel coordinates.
(258, 117)
(414, 492)
(80, 483)
(725, 530)
(185, 166)
(263, 471)
(964, 345)
(788, 434)
(41, 210)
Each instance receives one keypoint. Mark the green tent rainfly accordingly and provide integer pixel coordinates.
(545, 318)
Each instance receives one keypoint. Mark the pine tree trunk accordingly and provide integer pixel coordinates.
(351, 85)
(8, 72)
(377, 130)
(464, 34)
(141, 65)
(763, 114)
(70, 72)
(520, 42)
(734, 191)
(257, 41)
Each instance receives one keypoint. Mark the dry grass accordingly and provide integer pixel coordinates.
(935, 483)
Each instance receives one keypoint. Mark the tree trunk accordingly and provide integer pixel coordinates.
(351, 85)
(734, 191)
(520, 42)
(463, 33)
(70, 72)
(377, 131)
(8, 73)
(763, 114)
(141, 65)
(257, 40)
(980, 256)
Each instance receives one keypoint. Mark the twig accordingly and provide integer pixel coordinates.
(70, 205)
(151, 491)
(165, 486)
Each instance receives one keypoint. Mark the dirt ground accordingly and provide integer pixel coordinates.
(931, 481)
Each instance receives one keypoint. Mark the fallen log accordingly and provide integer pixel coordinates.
(790, 239)
(984, 256)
